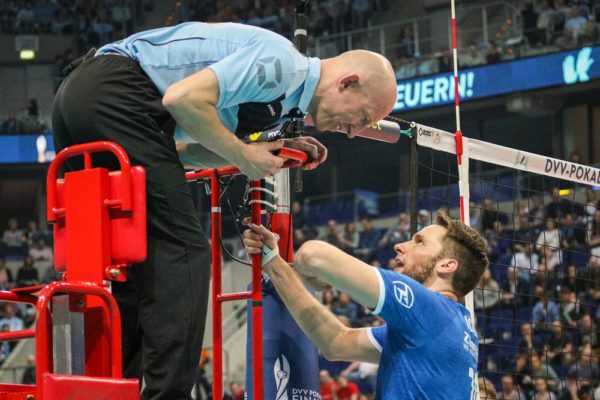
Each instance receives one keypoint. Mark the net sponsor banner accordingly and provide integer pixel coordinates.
(25, 149)
(564, 68)
(508, 157)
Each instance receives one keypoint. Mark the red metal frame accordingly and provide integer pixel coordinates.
(86, 218)
(293, 158)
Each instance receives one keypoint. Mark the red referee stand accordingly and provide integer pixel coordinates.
(99, 222)
(99, 229)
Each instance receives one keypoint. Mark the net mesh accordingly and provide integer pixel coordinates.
(537, 305)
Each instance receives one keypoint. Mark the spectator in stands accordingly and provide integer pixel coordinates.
(29, 373)
(559, 346)
(570, 308)
(499, 242)
(406, 41)
(25, 19)
(32, 234)
(541, 390)
(585, 371)
(40, 251)
(236, 392)
(575, 281)
(298, 217)
(509, 390)
(346, 307)
(63, 23)
(544, 23)
(396, 234)
(6, 278)
(592, 203)
(368, 240)
(567, 40)
(589, 36)
(328, 299)
(473, 56)
(529, 343)
(27, 274)
(102, 31)
(489, 215)
(328, 386)
(587, 332)
(567, 233)
(13, 238)
(423, 219)
(11, 319)
(593, 234)
(11, 124)
(537, 211)
(493, 54)
(575, 22)
(475, 216)
(44, 13)
(444, 61)
(346, 390)
(549, 237)
(544, 273)
(544, 312)
(122, 18)
(405, 67)
(486, 389)
(425, 65)
(5, 347)
(342, 21)
(558, 207)
(364, 374)
(350, 238)
(331, 234)
(521, 374)
(541, 370)
(515, 291)
(525, 261)
(487, 293)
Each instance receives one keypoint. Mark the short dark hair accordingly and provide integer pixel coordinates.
(467, 246)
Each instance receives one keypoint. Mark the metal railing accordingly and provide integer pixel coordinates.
(479, 23)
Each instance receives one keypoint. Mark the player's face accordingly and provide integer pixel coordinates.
(417, 257)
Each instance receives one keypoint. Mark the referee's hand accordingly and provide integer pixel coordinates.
(259, 161)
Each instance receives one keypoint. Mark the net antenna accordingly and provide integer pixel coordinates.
(463, 167)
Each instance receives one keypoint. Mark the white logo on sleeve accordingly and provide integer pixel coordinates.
(404, 294)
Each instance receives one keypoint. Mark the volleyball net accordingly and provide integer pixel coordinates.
(536, 307)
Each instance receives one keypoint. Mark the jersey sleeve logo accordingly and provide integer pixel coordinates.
(404, 294)
(269, 72)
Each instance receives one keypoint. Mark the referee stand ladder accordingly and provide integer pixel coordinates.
(280, 223)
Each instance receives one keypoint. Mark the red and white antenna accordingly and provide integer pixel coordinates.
(463, 179)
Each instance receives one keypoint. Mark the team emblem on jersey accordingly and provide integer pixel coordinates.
(404, 294)
(269, 72)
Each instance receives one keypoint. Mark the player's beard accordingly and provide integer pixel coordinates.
(421, 273)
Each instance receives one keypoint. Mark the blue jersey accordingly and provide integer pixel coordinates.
(428, 346)
(263, 79)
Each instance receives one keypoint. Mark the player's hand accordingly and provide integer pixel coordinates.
(256, 237)
(258, 160)
(317, 153)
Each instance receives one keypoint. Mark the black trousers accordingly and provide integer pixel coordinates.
(163, 304)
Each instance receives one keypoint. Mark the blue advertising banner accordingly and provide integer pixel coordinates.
(24, 149)
(564, 68)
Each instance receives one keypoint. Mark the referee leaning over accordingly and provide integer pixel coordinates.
(217, 83)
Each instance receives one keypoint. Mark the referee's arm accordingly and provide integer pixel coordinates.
(335, 340)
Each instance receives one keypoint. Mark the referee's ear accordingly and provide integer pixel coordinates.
(446, 267)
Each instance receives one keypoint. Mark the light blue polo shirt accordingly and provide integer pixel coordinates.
(263, 79)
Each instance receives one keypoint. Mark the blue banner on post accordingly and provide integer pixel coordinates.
(564, 68)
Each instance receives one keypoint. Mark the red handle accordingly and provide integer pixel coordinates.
(87, 149)
(294, 158)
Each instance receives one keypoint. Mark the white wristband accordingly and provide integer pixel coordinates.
(268, 254)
